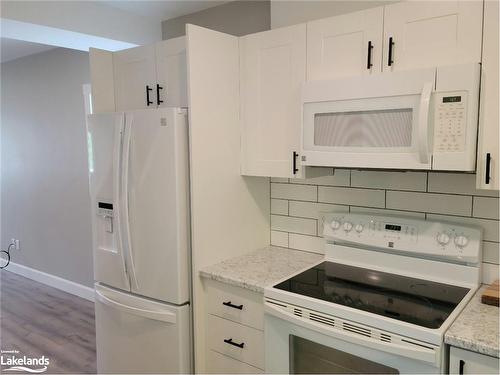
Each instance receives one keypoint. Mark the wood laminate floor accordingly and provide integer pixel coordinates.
(37, 320)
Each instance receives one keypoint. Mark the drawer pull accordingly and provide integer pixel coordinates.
(229, 304)
(231, 342)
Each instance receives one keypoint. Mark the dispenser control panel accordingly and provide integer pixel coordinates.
(105, 209)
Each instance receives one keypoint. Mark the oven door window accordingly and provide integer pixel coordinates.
(308, 357)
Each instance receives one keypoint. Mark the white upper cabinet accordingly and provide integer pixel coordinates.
(488, 155)
(346, 45)
(421, 34)
(135, 78)
(272, 70)
(171, 77)
(142, 77)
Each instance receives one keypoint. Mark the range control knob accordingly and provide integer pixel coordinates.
(461, 241)
(347, 226)
(359, 228)
(335, 224)
(443, 238)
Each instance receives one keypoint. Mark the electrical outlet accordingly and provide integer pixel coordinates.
(16, 243)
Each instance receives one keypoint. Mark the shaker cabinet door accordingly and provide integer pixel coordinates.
(171, 83)
(488, 166)
(465, 362)
(272, 70)
(345, 45)
(135, 78)
(420, 34)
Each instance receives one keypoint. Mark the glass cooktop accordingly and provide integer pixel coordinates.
(416, 301)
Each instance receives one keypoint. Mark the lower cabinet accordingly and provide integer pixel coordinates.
(467, 362)
(235, 329)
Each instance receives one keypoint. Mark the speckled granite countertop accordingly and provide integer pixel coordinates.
(476, 328)
(260, 268)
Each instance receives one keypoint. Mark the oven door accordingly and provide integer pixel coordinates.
(382, 121)
(297, 345)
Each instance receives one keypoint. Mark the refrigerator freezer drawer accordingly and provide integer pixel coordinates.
(137, 335)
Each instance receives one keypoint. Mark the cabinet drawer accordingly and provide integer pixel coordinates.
(220, 364)
(235, 304)
(224, 336)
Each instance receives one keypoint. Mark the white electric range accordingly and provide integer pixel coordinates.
(380, 301)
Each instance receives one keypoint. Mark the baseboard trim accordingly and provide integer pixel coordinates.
(53, 281)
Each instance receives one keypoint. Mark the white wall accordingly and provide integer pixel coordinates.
(44, 185)
(285, 13)
(235, 18)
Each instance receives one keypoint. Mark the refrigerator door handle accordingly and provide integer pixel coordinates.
(118, 161)
(124, 201)
(163, 316)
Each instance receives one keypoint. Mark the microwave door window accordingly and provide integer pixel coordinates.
(388, 128)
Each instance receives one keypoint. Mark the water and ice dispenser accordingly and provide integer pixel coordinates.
(105, 224)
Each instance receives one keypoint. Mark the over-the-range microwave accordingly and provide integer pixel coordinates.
(415, 119)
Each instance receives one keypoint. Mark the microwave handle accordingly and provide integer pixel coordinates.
(423, 125)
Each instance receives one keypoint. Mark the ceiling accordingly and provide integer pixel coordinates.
(12, 49)
(162, 10)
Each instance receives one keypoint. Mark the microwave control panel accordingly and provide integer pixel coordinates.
(450, 119)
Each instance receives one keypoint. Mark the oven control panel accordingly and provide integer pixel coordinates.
(447, 241)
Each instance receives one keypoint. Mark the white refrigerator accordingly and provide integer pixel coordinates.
(139, 186)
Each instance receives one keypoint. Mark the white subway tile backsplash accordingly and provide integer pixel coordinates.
(414, 181)
(307, 243)
(490, 227)
(350, 196)
(313, 210)
(490, 273)
(341, 177)
(485, 207)
(491, 252)
(456, 183)
(279, 238)
(279, 206)
(297, 204)
(425, 202)
(295, 192)
(381, 211)
(293, 224)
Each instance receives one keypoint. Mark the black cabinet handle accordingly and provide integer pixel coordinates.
(369, 58)
(488, 167)
(158, 88)
(461, 367)
(231, 342)
(295, 169)
(390, 60)
(148, 89)
(229, 304)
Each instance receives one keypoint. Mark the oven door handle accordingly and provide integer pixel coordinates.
(423, 122)
(420, 353)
